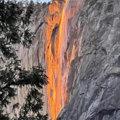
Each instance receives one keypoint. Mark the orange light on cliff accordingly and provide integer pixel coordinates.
(54, 89)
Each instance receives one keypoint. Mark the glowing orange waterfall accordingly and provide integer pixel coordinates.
(55, 93)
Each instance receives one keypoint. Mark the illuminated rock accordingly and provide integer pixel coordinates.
(77, 42)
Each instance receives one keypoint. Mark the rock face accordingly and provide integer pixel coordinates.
(78, 42)
(96, 72)
(35, 56)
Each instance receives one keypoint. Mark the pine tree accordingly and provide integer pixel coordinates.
(14, 30)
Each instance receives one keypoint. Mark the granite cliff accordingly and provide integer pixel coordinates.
(95, 95)
(78, 42)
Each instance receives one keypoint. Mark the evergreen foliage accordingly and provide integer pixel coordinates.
(14, 21)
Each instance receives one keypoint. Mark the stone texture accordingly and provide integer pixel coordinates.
(35, 56)
(90, 54)
(96, 72)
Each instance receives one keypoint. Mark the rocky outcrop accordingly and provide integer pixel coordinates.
(94, 77)
(77, 41)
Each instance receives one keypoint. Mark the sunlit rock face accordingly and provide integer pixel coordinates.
(77, 42)
(60, 51)
(96, 70)
(54, 47)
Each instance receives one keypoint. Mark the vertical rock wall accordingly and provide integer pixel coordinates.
(96, 72)
(35, 56)
(54, 47)
(77, 41)
(60, 51)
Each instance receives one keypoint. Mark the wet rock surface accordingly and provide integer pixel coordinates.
(96, 76)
